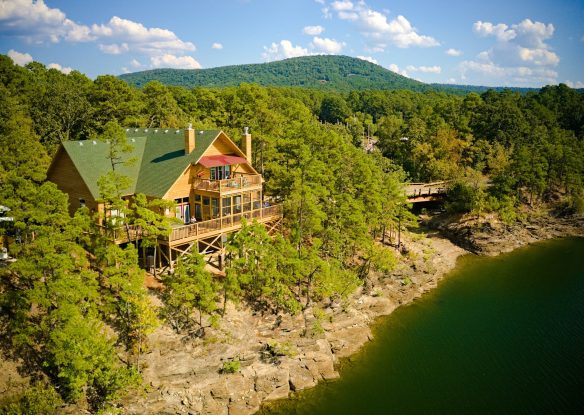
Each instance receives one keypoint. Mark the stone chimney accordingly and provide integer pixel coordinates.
(189, 139)
(246, 144)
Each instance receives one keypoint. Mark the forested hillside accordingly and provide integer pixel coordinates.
(502, 150)
(328, 72)
(324, 72)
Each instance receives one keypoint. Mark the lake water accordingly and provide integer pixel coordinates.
(500, 335)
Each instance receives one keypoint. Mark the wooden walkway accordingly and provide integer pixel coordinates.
(426, 192)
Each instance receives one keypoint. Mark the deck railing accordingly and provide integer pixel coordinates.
(122, 233)
(240, 181)
(227, 222)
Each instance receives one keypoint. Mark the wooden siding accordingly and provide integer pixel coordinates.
(67, 178)
(181, 187)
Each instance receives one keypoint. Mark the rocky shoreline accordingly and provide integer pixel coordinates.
(184, 374)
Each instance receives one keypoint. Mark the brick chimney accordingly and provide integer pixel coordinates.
(246, 144)
(189, 139)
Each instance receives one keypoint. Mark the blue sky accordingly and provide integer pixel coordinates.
(495, 42)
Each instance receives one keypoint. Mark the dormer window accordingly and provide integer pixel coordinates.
(220, 172)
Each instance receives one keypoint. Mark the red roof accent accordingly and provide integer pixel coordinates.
(221, 160)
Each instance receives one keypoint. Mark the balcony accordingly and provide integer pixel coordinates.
(239, 182)
(209, 228)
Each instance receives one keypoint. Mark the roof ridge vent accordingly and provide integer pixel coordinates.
(201, 132)
(127, 129)
(177, 131)
(145, 130)
(81, 143)
(136, 130)
(94, 142)
(156, 130)
(133, 140)
(165, 131)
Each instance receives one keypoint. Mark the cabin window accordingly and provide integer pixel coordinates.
(82, 203)
(247, 202)
(237, 204)
(215, 208)
(227, 206)
(220, 172)
(183, 209)
(197, 198)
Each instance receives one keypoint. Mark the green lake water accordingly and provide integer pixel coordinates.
(500, 335)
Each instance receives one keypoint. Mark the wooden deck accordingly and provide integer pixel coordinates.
(207, 229)
(425, 192)
(183, 234)
(237, 183)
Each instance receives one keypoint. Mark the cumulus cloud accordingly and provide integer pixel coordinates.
(368, 59)
(285, 49)
(19, 58)
(378, 29)
(140, 38)
(453, 52)
(65, 70)
(520, 55)
(393, 67)
(171, 61)
(326, 45)
(282, 50)
(22, 59)
(501, 31)
(217, 46)
(342, 5)
(313, 30)
(491, 74)
(577, 84)
(114, 49)
(35, 22)
(424, 69)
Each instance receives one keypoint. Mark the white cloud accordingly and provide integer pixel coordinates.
(313, 30)
(217, 46)
(35, 22)
(171, 61)
(491, 74)
(326, 12)
(114, 49)
(368, 59)
(393, 67)
(319, 1)
(65, 70)
(451, 81)
(424, 69)
(282, 50)
(501, 31)
(453, 52)
(140, 38)
(19, 58)
(326, 45)
(519, 55)
(342, 5)
(375, 26)
(577, 84)
(135, 63)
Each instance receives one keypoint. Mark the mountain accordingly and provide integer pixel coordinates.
(329, 72)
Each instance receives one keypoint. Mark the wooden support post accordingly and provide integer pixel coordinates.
(170, 264)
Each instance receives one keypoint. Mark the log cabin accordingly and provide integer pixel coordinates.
(210, 179)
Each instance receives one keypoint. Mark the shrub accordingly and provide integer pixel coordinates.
(231, 366)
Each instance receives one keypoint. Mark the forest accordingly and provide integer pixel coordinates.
(501, 151)
(324, 72)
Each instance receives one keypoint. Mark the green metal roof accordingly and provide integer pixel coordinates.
(159, 159)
